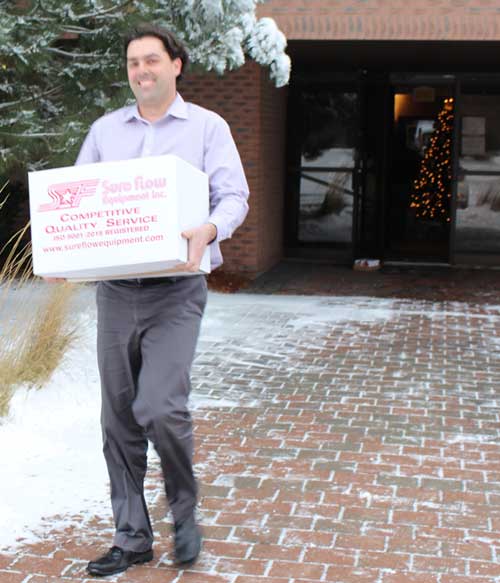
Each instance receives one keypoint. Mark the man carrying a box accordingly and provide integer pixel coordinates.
(148, 328)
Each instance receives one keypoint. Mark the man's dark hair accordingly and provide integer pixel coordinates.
(173, 46)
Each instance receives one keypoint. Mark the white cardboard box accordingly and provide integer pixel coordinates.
(116, 219)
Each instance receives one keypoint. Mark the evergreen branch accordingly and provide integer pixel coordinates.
(35, 97)
(76, 29)
(39, 135)
(72, 55)
(104, 12)
(39, 5)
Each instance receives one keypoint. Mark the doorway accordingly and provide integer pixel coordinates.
(323, 156)
(420, 171)
(403, 167)
(336, 156)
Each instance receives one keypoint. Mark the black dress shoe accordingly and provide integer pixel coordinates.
(116, 560)
(187, 542)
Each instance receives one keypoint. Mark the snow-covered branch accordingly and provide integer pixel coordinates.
(73, 55)
(34, 135)
(73, 29)
(102, 13)
(9, 104)
(220, 33)
(52, 92)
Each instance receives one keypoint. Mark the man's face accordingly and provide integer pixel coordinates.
(151, 72)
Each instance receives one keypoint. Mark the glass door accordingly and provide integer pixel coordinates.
(324, 128)
(477, 212)
(420, 170)
(327, 163)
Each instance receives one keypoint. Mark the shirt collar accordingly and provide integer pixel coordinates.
(177, 109)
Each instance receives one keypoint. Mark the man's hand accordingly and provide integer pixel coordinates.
(198, 239)
(54, 279)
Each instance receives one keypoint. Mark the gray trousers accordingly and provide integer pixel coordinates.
(146, 338)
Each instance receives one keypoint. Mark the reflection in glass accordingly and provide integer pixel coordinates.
(431, 192)
(327, 160)
(478, 192)
(419, 179)
(326, 201)
(478, 215)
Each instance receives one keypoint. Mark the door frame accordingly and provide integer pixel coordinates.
(457, 81)
(373, 138)
(343, 81)
(432, 79)
(356, 81)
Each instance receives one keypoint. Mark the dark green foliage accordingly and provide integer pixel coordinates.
(60, 67)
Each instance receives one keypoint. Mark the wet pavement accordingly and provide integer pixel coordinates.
(406, 281)
(350, 435)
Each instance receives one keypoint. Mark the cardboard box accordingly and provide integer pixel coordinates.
(116, 219)
(367, 265)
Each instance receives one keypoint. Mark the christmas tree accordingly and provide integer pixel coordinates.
(431, 194)
(62, 66)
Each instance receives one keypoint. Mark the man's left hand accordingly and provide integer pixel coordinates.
(198, 239)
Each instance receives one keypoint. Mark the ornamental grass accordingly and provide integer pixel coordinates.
(35, 330)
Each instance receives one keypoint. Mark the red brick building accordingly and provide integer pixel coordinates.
(385, 144)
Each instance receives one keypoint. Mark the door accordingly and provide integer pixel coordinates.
(371, 163)
(323, 134)
(477, 210)
(420, 176)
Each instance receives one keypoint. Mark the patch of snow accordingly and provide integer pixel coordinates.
(469, 438)
(49, 441)
(198, 402)
(52, 436)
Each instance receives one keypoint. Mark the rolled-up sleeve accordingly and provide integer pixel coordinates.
(228, 185)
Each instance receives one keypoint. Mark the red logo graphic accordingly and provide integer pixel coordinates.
(68, 195)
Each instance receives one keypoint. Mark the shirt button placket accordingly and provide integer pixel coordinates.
(147, 148)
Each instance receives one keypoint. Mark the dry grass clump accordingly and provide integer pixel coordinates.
(334, 200)
(36, 342)
(34, 330)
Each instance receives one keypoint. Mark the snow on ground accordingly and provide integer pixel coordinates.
(479, 217)
(51, 440)
(51, 444)
(327, 228)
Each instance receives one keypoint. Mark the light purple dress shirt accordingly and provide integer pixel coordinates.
(198, 136)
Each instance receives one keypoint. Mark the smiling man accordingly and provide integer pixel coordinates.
(147, 329)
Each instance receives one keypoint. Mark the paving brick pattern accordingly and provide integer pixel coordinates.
(357, 450)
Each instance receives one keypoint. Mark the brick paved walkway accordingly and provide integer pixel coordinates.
(341, 440)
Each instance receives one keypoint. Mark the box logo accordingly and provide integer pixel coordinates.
(67, 195)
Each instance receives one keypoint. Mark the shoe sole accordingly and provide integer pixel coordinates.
(140, 561)
(188, 562)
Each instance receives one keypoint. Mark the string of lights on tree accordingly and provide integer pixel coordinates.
(431, 194)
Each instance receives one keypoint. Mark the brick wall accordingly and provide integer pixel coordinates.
(272, 164)
(255, 111)
(386, 19)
